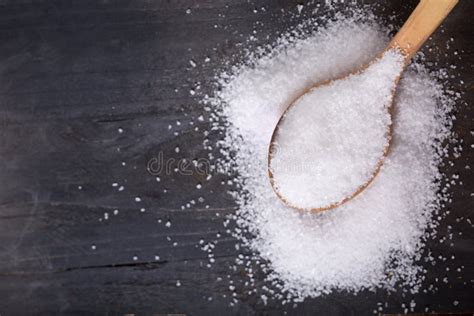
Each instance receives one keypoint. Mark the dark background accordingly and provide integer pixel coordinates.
(73, 72)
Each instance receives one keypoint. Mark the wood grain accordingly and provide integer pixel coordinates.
(71, 74)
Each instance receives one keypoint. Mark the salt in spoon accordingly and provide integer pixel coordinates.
(423, 21)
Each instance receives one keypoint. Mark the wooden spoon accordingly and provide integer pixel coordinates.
(423, 21)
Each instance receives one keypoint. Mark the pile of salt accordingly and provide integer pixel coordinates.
(374, 241)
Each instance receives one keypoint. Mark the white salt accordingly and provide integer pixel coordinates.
(331, 140)
(299, 7)
(373, 241)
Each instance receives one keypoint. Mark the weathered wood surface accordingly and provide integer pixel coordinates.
(71, 74)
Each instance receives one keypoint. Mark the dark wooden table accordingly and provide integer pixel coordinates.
(71, 74)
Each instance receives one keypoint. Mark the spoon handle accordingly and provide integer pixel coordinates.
(424, 20)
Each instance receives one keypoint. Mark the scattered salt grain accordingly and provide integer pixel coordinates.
(299, 7)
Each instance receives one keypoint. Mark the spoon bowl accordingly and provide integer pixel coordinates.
(321, 121)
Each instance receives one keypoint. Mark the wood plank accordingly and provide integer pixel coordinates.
(71, 75)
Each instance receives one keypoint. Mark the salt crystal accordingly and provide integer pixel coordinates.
(299, 7)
